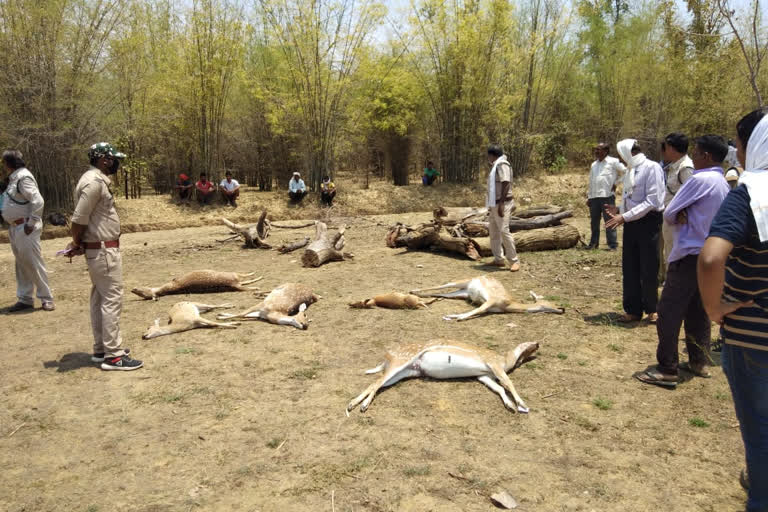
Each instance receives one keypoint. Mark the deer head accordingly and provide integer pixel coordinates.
(300, 318)
(145, 292)
(520, 355)
(154, 331)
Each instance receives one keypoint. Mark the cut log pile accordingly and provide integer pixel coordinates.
(465, 231)
(325, 247)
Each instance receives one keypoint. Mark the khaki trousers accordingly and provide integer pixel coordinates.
(668, 240)
(502, 242)
(106, 269)
(30, 268)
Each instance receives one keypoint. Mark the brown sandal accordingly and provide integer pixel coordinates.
(655, 377)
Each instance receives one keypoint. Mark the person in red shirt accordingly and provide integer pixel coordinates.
(206, 190)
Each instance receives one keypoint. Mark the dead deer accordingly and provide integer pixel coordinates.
(490, 294)
(393, 300)
(445, 359)
(184, 316)
(285, 305)
(200, 281)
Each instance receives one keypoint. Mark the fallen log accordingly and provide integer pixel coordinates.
(452, 215)
(564, 236)
(324, 247)
(283, 226)
(542, 221)
(254, 235)
(286, 248)
(535, 211)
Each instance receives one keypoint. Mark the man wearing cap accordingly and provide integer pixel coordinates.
(296, 188)
(184, 186)
(603, 176)
(22, 208)
(96, 233)
(230, 189)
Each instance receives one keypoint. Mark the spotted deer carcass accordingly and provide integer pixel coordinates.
(393, 300)
(446, 359)
(285, 305)
(185, 316)
(200, 281)
(491, 297)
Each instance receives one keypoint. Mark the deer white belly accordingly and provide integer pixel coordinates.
(444, 365)
(477, 292)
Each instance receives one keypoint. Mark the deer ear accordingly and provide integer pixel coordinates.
(303, 307)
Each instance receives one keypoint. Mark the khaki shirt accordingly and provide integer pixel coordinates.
(503, 173)
(95, 207)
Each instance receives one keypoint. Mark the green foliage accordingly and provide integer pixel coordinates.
(602, 403)
(698, 423)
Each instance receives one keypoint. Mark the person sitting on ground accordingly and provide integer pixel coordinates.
(690, 214)
(296, 188)
(327, 191)
(205, 190)
(430, 174)
(230, 189)
(732, 177)
(184, 187)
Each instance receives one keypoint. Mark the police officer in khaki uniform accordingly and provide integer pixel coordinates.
(22, 207)
(96, 233)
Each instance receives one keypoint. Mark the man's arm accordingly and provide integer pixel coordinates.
(711, 277)
(689, 193)
(28, 189)
(504, 194)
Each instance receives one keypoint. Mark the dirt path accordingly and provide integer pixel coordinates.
(253, 419)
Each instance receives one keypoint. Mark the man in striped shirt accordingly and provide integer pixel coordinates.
(733, 280)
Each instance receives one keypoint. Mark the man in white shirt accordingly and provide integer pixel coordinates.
(230, 189)
(731, 160)
(296, 188)
(674, 150)
(500, 203)
(603, 176)
(22, 208)
(641, 214)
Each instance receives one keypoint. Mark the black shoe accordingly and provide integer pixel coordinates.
(744, 479)
(98, 357)
(122, 363)
(20, 306)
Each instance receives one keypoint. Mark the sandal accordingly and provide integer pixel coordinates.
(655, 377)
(699, 372)
(627, 318)
(653, 318)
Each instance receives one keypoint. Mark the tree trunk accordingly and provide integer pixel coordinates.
(255, 235)
(286, 248)
(324, 247)
(537, 210)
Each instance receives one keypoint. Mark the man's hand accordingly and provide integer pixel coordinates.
(616, 220)
(74, 249)
(28, 229)
(611, 209)
(586, 202)
(682, 217)
(726, 308)
(500, 209)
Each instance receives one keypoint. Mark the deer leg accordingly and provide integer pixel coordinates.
(457, 284)
(484, 308)
(503, 378)
(275, 317)
(204, 308)
(243, 276)
(496, 388)
(203, 322)
(457, 294)
(389, 378)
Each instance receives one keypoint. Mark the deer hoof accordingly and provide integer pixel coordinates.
(523, 409)
(448, 318)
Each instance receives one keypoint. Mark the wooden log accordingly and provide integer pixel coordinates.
(255, 235)
(535, 211)
(541, 221)
(450, 216)
(324, 247)
(286, 248)
(557, 237)
(283, 226)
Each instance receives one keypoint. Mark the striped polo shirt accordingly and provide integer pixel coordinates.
(746, 271)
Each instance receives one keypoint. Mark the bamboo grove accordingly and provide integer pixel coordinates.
(268, 87)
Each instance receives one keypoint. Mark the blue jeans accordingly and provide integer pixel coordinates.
(747, 372)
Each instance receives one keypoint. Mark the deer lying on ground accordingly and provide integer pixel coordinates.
(490, 294)
(445, 359)
(285, 305)
(185, 316)
(200, 281)
(393, 300)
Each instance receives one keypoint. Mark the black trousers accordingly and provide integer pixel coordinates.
(596, 212)
(640, 264)
(681, 303)
(297, 196)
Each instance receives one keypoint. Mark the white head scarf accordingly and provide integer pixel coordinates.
(624, 149)
(755, 176)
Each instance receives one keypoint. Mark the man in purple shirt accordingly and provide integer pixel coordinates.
(641, 207)
(690, 214)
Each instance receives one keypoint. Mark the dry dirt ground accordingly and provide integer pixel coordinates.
(253, 419)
